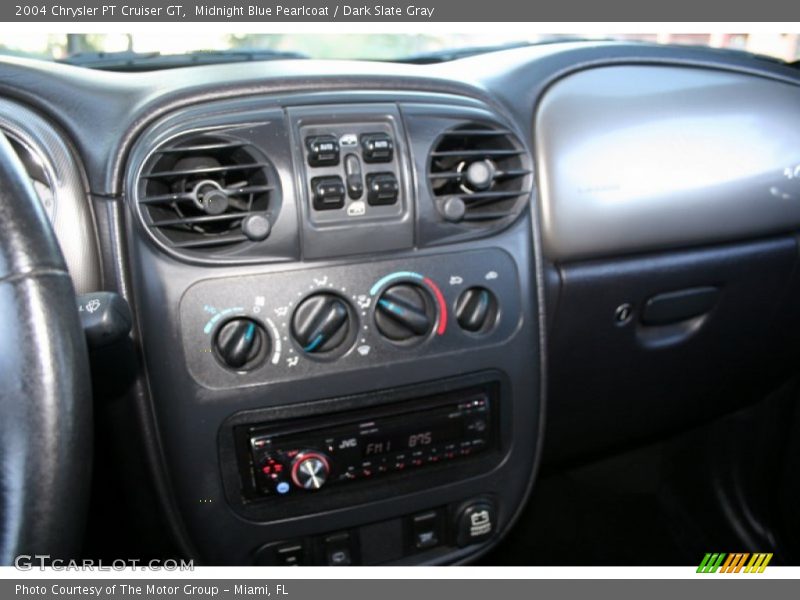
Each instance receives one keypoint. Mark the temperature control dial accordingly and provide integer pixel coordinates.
(322, 323)
(404, 312)
(241, 343)
(310, 470)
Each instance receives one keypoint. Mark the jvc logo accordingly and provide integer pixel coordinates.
(350, 443)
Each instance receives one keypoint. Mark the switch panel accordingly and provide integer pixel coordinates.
(363, 148)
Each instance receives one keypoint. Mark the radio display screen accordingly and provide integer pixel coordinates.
(399, 438)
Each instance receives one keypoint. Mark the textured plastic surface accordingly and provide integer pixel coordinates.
(617, 384)
(635, 158)
(71, 214)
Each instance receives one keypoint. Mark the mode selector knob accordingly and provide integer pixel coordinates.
(322, 323)
(310, 470)
(241, 343)
(404, 312)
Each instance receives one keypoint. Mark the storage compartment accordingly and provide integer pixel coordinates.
(723, 332)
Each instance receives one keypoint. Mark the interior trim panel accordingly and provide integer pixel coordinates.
(60, 183)
(638, 158)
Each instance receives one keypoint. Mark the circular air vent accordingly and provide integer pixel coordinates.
(480, 173)
(208, 191)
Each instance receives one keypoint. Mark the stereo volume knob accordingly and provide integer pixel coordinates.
(321, 323)
(310, 470)
(241, 343)
(404, 312)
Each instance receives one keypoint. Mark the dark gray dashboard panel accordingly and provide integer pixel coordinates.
(636, 158)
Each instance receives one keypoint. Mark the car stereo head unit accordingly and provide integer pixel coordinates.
(307, 456)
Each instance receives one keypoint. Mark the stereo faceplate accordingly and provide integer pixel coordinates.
(312, 455)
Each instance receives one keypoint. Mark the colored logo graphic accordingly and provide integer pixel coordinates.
(734, 563)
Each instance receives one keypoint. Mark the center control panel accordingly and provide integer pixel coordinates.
(240, 331)
(354, 390)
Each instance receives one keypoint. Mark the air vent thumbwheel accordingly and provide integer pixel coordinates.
(205, 192)
(479, 173)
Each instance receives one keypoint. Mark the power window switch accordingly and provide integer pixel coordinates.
(323, 151)
(327, 193)
(382, 189)
(377, 147)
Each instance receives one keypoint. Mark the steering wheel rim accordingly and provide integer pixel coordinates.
(45, 396)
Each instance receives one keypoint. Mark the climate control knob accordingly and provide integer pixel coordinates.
(241, 343)
(321, 323)
(476, 310)
(310, 470)
(404, 312)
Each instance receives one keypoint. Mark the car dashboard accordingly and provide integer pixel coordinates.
(370, 299)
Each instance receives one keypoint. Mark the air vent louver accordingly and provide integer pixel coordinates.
(479, 173)
(195, 192)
